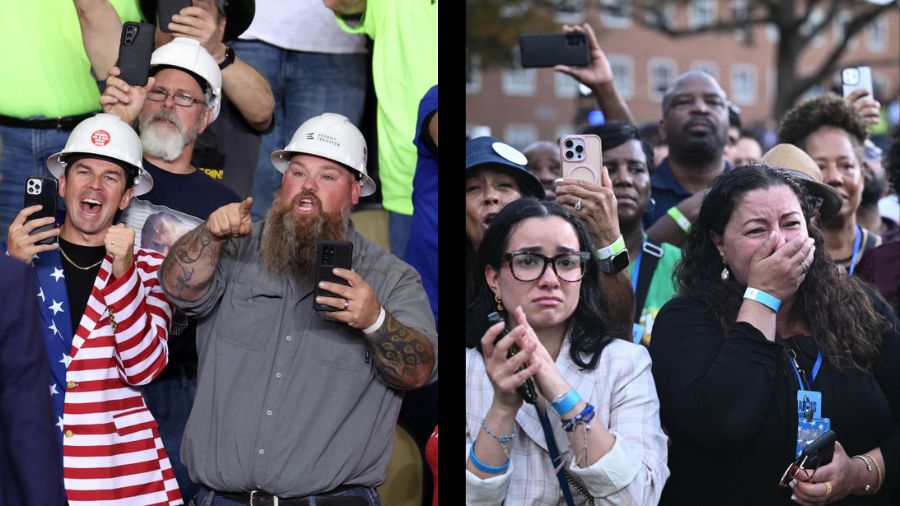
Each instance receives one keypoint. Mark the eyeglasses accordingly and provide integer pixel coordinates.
(528, 266)
(160, 95)
(793, 470)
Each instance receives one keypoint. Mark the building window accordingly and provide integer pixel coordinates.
(816, 18)
(616, 13)
(519, 135)
(562, 130)
(662, 72)
(565, 85)
(772, 33)
(518, 82)
(623, 74)
(710, 67)
(740, 12)
(876, 35)
(569, 12)
(668, 14)
(743, 84)
(473, 76)
(702, 13)
(476, 131)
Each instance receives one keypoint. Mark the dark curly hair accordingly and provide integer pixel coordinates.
(839, 313)
(589, 336)
(828, 110)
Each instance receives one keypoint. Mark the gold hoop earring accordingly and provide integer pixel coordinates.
(499, 302)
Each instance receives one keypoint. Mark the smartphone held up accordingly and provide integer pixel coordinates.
(135, 49)
(551, 49)
(581, 157)
(331, 255)
(42, 191)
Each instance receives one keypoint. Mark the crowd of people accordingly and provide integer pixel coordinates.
(172, 307)
(762, 308)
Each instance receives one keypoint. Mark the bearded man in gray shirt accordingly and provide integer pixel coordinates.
(293, 403)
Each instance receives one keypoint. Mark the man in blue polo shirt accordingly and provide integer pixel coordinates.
(695, 127)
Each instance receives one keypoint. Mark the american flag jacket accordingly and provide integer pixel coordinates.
(112, 451)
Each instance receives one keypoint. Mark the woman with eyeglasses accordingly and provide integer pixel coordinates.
(766, 346)
(590, 430)
(833, 132)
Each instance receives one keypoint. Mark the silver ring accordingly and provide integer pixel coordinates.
(578, 204)
(805, 266)
(346, 304)
(113, 242)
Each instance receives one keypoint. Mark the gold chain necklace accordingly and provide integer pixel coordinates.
(89, 267)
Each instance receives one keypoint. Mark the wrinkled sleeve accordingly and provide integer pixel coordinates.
(488, 491)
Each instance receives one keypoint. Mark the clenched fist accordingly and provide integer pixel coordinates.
(232, 220)
(119, 242)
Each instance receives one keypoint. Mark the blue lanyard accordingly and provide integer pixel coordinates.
(856, 240)
(637, 269)
(815, 371)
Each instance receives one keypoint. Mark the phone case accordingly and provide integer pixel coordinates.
(581, 157)
(135, 48)
(820, 451)
(43, 191)
(855, 78)
(165, 9)
(550, 49)
(331, 254)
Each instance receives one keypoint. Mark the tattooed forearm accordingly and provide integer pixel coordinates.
(188, 269)
(404, 356)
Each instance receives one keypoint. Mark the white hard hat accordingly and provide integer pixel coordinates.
(186, 53)
(104, 135)
(330, 136)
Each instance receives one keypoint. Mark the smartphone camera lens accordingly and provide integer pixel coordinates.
(569, 154)
(579, 148)
(569, 143)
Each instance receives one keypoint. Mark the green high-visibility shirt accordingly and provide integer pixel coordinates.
(404, 67)
(46, 71)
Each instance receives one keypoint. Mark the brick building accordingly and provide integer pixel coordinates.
(522, 105)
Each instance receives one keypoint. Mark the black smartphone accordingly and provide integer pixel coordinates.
(43, 191)
(550, 49)
(165, 9)
(135, 48)
(819, 452)
(526, 390)
(329, 255)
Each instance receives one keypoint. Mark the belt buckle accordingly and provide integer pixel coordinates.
(59, 123)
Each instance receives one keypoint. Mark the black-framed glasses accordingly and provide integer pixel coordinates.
(529, 266)
(182, 99)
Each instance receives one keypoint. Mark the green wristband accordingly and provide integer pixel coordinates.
(679, 218)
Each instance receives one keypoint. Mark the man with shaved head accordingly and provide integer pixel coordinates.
(543, 162)
(694, 124)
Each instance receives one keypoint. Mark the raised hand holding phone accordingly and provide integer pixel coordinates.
(586, 188)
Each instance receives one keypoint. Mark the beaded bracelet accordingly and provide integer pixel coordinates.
(502, 440)
(585, 417)
(484, 467)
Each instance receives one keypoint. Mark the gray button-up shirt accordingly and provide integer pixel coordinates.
(289, 402)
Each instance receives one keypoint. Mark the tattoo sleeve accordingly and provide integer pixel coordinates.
(187, 271)
(404, 356)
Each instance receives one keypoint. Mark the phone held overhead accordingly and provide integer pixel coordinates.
(135, 48)
(551, 49)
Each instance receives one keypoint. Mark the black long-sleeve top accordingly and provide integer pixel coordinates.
(728, 403)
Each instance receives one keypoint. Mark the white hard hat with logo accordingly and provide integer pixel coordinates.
(186, 53)
(330, 136)
(107, 136)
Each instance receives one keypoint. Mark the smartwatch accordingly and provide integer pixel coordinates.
(229, 57)
(613, 258)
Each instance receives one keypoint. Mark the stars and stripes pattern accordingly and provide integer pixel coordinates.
(112, 452)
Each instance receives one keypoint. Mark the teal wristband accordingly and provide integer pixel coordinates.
(484, 467)
(763, 298)
(567, 402)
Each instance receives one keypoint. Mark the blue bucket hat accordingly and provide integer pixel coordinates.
(488, 152)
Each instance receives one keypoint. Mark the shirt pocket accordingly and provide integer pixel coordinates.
(339, 348)
(256, 310)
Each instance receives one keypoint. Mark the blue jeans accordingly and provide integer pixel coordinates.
(206, 497)
(24, 154)
(398, 232)
(170, 401)
(304, 85)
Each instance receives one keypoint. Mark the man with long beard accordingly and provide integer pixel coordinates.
(294, 403)
(181, 99)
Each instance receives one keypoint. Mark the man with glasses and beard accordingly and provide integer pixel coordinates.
(695, 126)
(179, 101)
(294, 403)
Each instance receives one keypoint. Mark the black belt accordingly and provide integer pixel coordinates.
(61, 123)
(257, 498)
